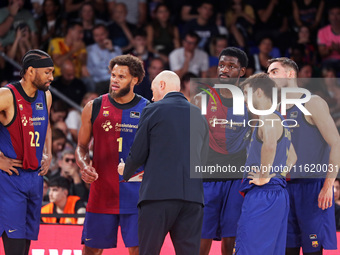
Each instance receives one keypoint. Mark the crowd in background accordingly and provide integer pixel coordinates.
(185, 36)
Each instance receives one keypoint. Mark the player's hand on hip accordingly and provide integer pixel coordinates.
(121, 167)
(45, 164)
(325, 198)
(259, 178)
(9, 165)
(89, 174)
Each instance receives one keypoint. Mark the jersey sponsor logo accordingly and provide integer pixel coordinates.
(24, 120)
(39, 106)
(315, 244)
(11, 230)
(21, 107)
(107, 125)
(134, 115)
(313, 236)
(106, 113)
(213, 108)
(293, 115)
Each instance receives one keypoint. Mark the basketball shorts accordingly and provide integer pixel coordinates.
(100, 230)
(309, 226)
(262, 226)
(20, 204)
(222, 209)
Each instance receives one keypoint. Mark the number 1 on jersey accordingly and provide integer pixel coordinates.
(120, 144)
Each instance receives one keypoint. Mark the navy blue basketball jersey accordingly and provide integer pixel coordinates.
(311, 148)
(279, 166)
(24, 137)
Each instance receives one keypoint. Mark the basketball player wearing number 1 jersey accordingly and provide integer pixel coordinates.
(112, 120)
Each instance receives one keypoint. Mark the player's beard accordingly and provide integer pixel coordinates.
(121, 93)
(39, 84)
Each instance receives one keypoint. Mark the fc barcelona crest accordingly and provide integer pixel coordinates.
(105, 113)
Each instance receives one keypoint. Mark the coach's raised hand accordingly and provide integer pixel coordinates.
(121, 167)
(8, 165)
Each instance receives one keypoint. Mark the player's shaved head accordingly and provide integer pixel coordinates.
(165, 82)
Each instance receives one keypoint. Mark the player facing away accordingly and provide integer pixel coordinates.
(311, 223)
(112, 120)
(227, 146)
(25, 147)
(263, 223)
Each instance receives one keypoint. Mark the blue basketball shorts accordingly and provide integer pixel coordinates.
(20, 204)
(222, 209)
(262, 226)
(100, 230)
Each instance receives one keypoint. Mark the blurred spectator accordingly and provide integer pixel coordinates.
(61, 202)
(272, 20)
(69, 144)
(162, 36)
(70, 170)
(37, 6)
(22, 44)
(58, 144)
(217, 44)
(304, 75)
(88, 20)
(136, 10)
(73, 120)
(144, 88)
(72, 8)
(202, 25)
(45, 190)
(333, 88)
(308, 13)
(337, 203)
(140, 48)
(58, 111)
(188, 58)
(329, 38)
(68, 84)
(51, 24)
(189, 9)
(258, 62)
(120, 30)
(188, 88)
(99, 54)
(240, 19)
(3, 74)
(303, 46)
(10, 17)
(70, 47)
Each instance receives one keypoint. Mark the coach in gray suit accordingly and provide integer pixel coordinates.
(172, 137)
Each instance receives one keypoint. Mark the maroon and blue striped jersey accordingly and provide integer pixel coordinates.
(113, 126)
(24, 137)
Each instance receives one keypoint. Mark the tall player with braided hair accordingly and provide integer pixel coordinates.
(25, 146)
